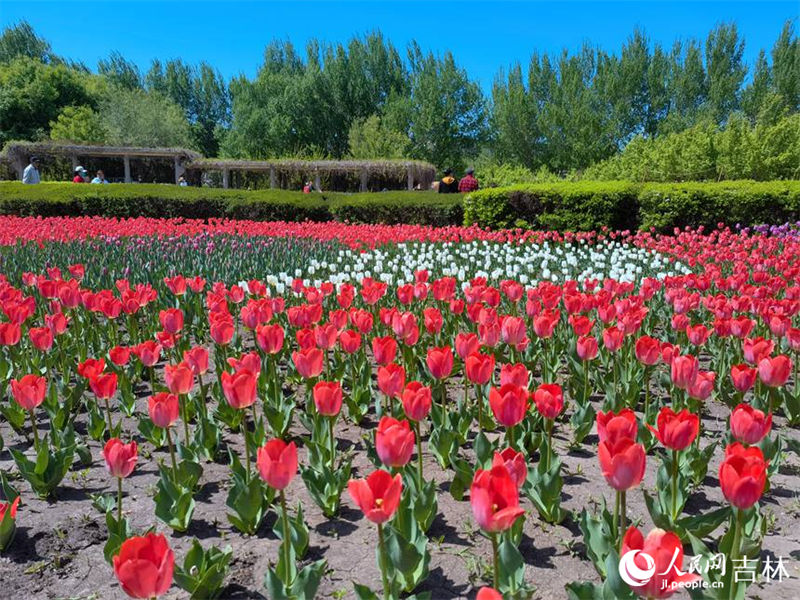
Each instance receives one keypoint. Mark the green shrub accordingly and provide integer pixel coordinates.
(668, 205)
(158, 200)
(564, 205)
(618, 205)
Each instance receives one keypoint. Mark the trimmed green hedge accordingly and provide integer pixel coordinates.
(158, 200)
(622, 205)
(562, 206)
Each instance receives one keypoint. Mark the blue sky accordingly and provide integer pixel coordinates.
(483, 36)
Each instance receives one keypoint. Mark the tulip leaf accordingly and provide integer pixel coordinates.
(298, 531)
(584, 590)
(512, 568)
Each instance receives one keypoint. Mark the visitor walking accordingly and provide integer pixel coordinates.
(80, 175)
(31, 172)
(448, 184)
(468, 183)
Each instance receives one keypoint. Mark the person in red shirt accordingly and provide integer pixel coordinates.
(468, 183)
(80, 175)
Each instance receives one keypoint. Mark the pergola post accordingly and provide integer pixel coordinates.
(126, 161)
(74, 158)
(272, 177)
(179, 169)
(225, 179)
(364, 179)
(410, 174)
(317, 183)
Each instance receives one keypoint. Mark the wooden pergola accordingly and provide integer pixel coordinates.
(19, 153)
(412, 173)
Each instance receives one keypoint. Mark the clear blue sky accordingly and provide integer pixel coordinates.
(483, 36)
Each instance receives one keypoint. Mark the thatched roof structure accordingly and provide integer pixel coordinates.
(408, 173)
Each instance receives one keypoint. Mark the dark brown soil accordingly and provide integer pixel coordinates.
(58, 551)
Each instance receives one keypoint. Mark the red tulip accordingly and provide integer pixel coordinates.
(613, 338)
(10, 334)
(417, 400)
(179, 378)
(308, 362)
(684, 371)
(743, 475)
(774, 372)
(487, 593)
(148, 352)
(41, 338)
(516, 374)
(703, 385)
(91, 367)
(466, 344)
(391, 379)
(239, 388)
(622, 462)
(479, 368)
(494, 499)
(250, 361)
(120, 458)
(514, 463)
(697, 334)
(549, 400)
(197, 359)
(666, 553)
(277, 463)
(29, 391)
(648, 350)
(614, 426)
(328, 398)
(120, 355)
(9, 506)
(756, 349)
(440, 361)
(270, 338)
(384, 349)
(221, 331)
(104, 385)
(171, 320)
(378, 496)
(163, 409)
(514, 332)
(394, 442)
(325, 336)
(676, 430)
(743, 377)
(144, 566)
(586, 347)
(545, 322)
(749, 425)
(509, 404)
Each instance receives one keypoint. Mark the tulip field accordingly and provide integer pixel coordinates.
(233, 409)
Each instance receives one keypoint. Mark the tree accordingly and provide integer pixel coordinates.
(139, 118)
(120, 71)
(32, 94)
(786, 66)
(21, 41)
(371, 138)
(446, 111)
(725, 70)
(78, 124)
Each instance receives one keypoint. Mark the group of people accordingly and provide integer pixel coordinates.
(82, 176)
(448, 184)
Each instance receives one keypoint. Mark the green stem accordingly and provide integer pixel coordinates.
(736, 547)
(382, 554)
(674, 484)
(35, 431)
(108, 416)
(549, 444)
(287, 540)
(419, 453)
(615, 522)
(510, 436)
(183, 400)
(331, 421)
(246, 446)
(646, 393)
(585, 382)
(479, 401)
(621, 516)
(495, 561)
(152, 379)
(172, 453)
(119, 499)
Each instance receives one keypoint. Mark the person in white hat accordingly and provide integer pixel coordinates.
(80, 175)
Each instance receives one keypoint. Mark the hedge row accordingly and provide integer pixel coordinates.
(155, 200)
(622, 205)
(563, 205)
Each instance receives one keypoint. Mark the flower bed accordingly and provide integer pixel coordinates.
(324, 410)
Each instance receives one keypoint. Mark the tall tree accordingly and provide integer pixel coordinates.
(725, 70)
(118, 70)
(21, 41)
